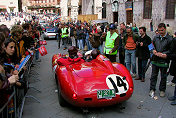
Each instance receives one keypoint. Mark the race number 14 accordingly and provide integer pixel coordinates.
(118, 83)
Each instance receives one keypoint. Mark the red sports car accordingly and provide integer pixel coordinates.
(92, 84)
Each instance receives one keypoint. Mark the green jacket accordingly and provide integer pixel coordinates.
(135, 38)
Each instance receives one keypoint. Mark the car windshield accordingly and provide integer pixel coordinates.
(50, 30)
(42, 21)
(105, 22)
(45, 25)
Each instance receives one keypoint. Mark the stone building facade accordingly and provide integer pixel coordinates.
(139, 12)
(132, 11)
(42, 6)
(70, 9)
(158, 14)
(92, 7)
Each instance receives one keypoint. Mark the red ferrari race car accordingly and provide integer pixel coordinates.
(92, 84)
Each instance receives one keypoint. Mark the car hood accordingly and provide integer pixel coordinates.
(88, 77)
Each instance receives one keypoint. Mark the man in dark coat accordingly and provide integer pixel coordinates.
(142, 52)
(121, 47)
(172, 56)
(162, 44)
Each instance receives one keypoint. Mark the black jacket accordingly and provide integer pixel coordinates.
(172, 56)
(142, 52)
(162, 45)
(80, 34)
(135, 38)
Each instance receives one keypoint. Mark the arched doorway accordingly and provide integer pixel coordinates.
(80, 7)
(115, 7)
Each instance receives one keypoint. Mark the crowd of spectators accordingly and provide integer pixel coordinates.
(15, 44)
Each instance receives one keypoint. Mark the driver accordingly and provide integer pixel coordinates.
(73, 57)
(91, 54)
(95, 53)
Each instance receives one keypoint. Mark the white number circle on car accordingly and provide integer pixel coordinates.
(118, 83)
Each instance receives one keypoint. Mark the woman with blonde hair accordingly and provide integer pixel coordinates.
(16, 33)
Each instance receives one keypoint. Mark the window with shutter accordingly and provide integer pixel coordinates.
(170, 9)
(147, 9)
(104, 10)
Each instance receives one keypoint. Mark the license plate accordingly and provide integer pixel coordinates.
(107, 93)
(51, 36)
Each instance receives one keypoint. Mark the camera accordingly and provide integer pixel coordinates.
(138, 43)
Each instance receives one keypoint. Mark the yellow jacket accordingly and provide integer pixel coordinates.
(20, 50)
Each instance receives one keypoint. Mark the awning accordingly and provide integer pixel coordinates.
(129, 5)
(40, 7)
(2, 7)
(12, 7)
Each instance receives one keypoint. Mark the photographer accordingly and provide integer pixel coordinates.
(142, 52)
(95, 40)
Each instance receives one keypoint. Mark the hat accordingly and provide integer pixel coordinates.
(112, 26)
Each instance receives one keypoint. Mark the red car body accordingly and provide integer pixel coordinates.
(79, 83)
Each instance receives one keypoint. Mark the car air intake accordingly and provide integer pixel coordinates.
(87, 99)
(123, 94)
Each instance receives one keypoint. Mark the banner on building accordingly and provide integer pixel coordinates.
(129, 5)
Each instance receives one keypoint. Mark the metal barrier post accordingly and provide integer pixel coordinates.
(4, 111)
(28, 87)
(16, 96)
(15, 110)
